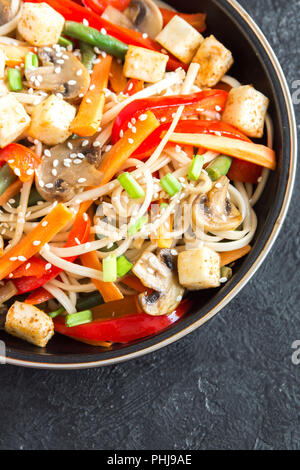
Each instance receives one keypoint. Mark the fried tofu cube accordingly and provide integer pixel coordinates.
(144, 64)
(246, 109)
(13, 119)
(29, 323)
(51, 119)
(2, 63)
(214, 60)
(180, 38)
(199, 269)
(40, 24)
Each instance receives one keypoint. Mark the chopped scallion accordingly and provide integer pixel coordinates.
(226, 273)
(79, 318)
(219, 167)
(123, 266)
(170, 184)
(196, 168)
(56, 313)
(14, 80)
(31, 61)
(138, 225)
(110, 268)
(131, 186)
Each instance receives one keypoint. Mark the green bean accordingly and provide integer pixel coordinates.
(87, 55)
(93, 37)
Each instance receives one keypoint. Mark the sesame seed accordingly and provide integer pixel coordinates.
(77, 241)
(88, 100)
(77, 161)
(103, 31)
(21, 258)
(27, 266)
(82, 180)
(96, 144)
(70, 145)
(30, 172)
(44, 223)
(130, 140)
(48, 266)
(17, 172)
(54, 172)
(85, 217)
(223, 279)
(13, 258)
(55, 163)
(57, 70)
(72, 82)
(49, 185)
(36, 242)
(85, 143)
(92, 87)
(143, 117)
(79, 72)
(85, 22)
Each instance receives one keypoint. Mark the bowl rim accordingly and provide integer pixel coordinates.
(232, 292)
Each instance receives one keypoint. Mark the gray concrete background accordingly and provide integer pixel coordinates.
(229, 385)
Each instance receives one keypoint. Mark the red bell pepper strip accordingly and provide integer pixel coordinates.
(245, 172)
(197, 20)
(133, 86)
(192, 126)
(39, 296)
(98, 6)
(124, 329)
(71, 11)
(166, 106)
(21, 160)
(36, 269)
(80, 232)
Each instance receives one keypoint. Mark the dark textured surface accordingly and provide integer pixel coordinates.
(229, 385)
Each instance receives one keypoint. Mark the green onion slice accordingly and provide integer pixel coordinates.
(196, 168)
(14, 79)
(138, 225)
(109, 268)
(131, 186)
(79, 318)
(123, 266)
(170, 184)
(31, 61)
(56, 313)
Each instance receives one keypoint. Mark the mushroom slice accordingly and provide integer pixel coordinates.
(61, 73)
(67, 169)
(159, 273)
(5, 11)
(145, 16)
(214, 211)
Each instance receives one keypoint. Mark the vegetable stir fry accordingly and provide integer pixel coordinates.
(128, 170)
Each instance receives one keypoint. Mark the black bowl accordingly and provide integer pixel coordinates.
(255, 63)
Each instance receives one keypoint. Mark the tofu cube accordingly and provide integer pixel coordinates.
(2, 63)
(51, 119)
(40, 24)
(214, 60)
(181, 39)
(144, 64)
(199, 269)
(246, 109)
(13, 119)
(29, 323)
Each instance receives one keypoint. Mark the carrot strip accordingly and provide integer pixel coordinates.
(11, 191)
(108, 290)
(134, 85)
(163, 242)
(89, 116)
(15, 55)
(133, 282)
(248, 151)
(117, 79)
(122, 150)
(197, 20)
(228, 257)
(35, 240)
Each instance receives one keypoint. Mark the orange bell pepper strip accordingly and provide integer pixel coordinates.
(15, 55)
(228, 257)
(11, 192)
(30, 245)
(117, 79)
(89, 116)
(133, 282)
(247, 151)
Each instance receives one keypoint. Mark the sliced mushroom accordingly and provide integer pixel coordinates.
(159, 273)
(117, 17)
(5, 11)
(67, 169)
(145, 16)
(61, 73)
(214, 211)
